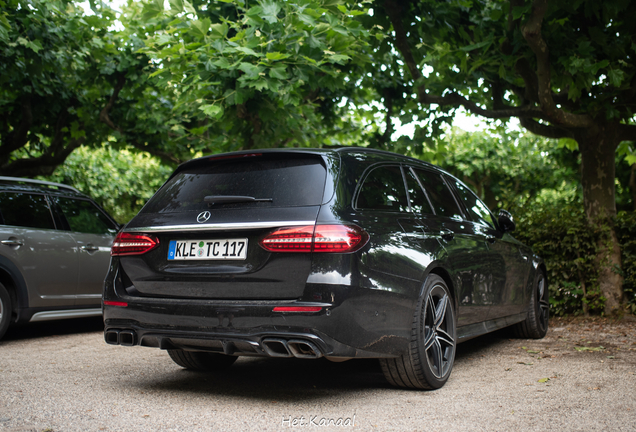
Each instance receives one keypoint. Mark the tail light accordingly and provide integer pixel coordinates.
(133, 244)
(115, 303)
(297, 309)
(319, 238)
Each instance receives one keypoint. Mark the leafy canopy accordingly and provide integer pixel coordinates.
(253, 74)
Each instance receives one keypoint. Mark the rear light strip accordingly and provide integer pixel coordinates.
(318, 238)
(297, 309)
(115, 303)
(133, 244)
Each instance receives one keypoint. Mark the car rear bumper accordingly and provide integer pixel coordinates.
(302, 335)
(346, 320)
(253, 328)
(266, 342)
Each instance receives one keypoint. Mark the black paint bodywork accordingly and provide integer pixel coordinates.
(368, 298)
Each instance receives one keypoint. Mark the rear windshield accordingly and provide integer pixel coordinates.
(276, 182)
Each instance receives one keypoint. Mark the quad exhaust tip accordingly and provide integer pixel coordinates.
(303, 349)
(120, 337)
(275, 347)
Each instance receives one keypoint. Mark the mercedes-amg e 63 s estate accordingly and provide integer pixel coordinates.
(341, 253)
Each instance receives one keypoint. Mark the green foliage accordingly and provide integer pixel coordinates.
(479, 51)
(562, 236)
(173, 79)
(506, 169)
(626, 231)
(252, 74)
(121, 181)
(58, 69)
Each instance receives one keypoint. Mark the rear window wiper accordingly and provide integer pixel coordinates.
(225, 199)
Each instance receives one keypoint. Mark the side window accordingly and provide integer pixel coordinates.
(419, 201)
(441, 197)
(25, 210)
(383, 189)
(83, 216)
(477, 210)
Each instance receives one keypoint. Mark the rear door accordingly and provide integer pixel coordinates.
(467, 253)
(383, 210)
(93, 233)
(509, 265)
(209, 218)
(46, 257)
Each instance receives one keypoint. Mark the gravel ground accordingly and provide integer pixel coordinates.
(62, 377)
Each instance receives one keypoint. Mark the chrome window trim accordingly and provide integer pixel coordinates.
(220, 226)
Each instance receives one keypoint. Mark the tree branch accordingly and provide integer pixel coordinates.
(18, 137)
(632, 185)
(42, 165)
(531, 89)
(170, 159)
(103, 115)
(626, 132)
(544, 130)
(142, 145)
(388, 103)
(497, 95)
(531, 32)
(627, 97)
(394, 11)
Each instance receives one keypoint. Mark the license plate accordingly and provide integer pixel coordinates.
(224, 249)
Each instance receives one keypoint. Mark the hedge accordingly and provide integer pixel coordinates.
(568, 244)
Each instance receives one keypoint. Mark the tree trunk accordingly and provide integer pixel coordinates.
(598, 152)
(632, 185)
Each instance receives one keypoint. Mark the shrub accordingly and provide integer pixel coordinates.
(569, 244)
(626, 231)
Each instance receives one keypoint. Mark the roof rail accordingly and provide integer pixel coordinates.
(40, 182)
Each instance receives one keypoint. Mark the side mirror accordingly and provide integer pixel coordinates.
(506, 222)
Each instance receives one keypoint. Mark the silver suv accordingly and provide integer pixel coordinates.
(54, 252)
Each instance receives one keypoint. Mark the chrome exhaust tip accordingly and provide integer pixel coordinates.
(304, 349)
(111, 337)
(276, 347)
(127, 337)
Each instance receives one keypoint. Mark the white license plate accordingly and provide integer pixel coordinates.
(224, 249)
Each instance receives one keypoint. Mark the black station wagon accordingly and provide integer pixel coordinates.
(346, 253)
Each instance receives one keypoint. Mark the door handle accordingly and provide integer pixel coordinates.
(89, 248)
(447, 234)
(12, 242)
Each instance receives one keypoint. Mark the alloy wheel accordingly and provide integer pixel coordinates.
(439, 345)
(543, 304)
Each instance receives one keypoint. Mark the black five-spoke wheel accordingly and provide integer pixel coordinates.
(535, 325)
(439, 340)
(429, 362)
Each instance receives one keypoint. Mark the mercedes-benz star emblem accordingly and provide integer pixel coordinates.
(203, 216)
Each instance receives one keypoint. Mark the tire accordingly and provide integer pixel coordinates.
(201, 361)
(5, 310)
(429, 361)
(536, 324)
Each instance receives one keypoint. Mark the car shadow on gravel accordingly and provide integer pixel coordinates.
(289, 380)
(53, 328)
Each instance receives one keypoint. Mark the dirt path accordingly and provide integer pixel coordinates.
(63, 377)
